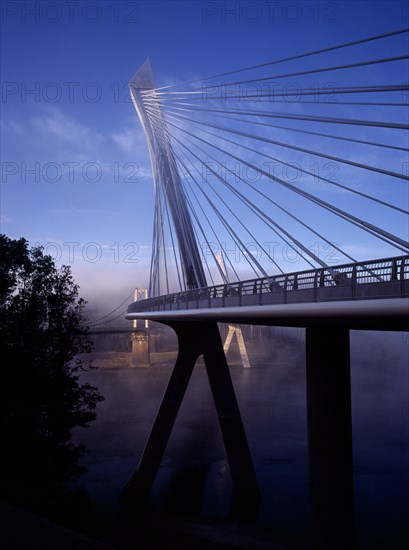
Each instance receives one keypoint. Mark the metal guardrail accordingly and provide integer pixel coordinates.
(386, 278)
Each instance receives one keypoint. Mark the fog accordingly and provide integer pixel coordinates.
(194, 478)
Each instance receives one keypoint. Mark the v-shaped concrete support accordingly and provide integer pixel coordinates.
(195, 339)
(234, 330)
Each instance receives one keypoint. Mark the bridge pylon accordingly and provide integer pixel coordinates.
(140, 354)
(234, 330)
(168, 188)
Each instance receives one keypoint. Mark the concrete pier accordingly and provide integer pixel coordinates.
(140, 356)
(329, 436)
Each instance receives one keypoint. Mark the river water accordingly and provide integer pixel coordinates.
(194, 479)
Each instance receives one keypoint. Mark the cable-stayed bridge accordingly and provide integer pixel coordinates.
(229, 176)
(297, 161)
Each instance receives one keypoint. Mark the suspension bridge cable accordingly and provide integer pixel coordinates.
(163, 105)
(338, 211)
(108, 320)
(308, 252)
(304, 150)
(310, 132)
(155, 284)
(199, 95)
(275, 204)
(233, 234)
(291, 58)
(166, 208)
(252, 207)
(320, 70)
(194, 229)
(238, 219)
(313, 174)
(307, 118)
(370, 228)
(196, 217)
(266, 219)
(294, 101)
(173, 248)
(246, 228)
(371, 232)
(154, 281)
(111, 312)
(346, 216)
(209, 223)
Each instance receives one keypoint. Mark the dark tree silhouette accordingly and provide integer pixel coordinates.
(41, 397)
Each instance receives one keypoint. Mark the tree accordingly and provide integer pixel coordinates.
(42, 321)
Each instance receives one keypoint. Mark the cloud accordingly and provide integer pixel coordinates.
(65, 128)
(52, 136)
(11, 126)
(128, 139)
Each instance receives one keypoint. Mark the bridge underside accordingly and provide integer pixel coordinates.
(378, 314)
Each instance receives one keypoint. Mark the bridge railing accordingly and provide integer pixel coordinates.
(385, 278)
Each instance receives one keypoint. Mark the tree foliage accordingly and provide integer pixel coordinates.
(42, 400)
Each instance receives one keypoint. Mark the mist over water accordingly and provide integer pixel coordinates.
(380, 396)
(194, 479)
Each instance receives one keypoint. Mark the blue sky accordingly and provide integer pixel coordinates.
(75, 167)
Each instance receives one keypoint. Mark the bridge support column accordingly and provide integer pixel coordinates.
(234, 330)
(140, 349)
(329, 436)
(195, 339)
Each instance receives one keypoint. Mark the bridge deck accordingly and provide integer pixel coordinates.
(374, 294)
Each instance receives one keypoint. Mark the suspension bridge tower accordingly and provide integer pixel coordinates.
(140, 355)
